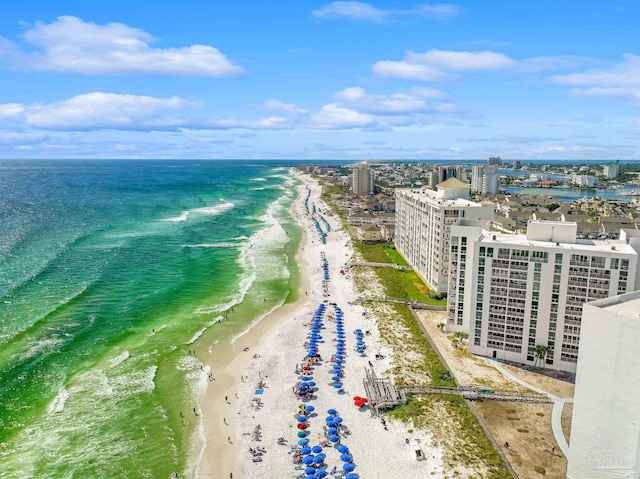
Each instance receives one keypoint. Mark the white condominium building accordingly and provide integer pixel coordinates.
(363, 180)
(423, 219)
(605, 430)
(490, 181)
(511, 293)
(477, 172)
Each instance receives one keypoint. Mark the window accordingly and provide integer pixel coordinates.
(558, 258)
(615, 263)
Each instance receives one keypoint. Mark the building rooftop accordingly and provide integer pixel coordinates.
(625, 304)
(433, 197)
(452, 183)
(620, 246)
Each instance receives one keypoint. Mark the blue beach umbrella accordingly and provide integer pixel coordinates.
(312, 383)
(335, 378)
(332, 431)
(337, 385)
(309, 409)
(338, 419)
(346, 458)
(305, 450)
(332, 411)
(320, 473)
(307, 460)
(316, 449)
(319, 459)
(348, 467)
(302, 418)
(306, 378)
(303, 442)
(310, 471)
(334, 439)
(351, 476)
(342, 449)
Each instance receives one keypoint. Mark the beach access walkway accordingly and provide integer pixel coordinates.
(409, 302)
(377, 265)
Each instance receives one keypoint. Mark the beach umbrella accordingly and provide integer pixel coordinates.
(334, 438)
(356, 398)
(310, 471)
(342, 449)
(332, 411)
(320, 473)
(312, 383)
(307, 460)
(351, 476)
(338, 419)
(302, 425)
(335, 378)
(358, 331)
(305, 450)
(360, 343)
(332, 431)
(306, 378)
(302, 434)
(316, 449)
(302, 418)
(309, 408)
(346, 458)
(319, 459)
(303, 442)
(337, 385)
(348, 467)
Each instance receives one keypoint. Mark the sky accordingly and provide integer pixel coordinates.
(305, 79)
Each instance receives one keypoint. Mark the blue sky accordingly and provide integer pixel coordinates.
(311, 79)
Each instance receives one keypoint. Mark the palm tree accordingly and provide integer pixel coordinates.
(441, 326)
(540, 353)
(455, 341)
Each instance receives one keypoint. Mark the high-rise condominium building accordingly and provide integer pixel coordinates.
(494, 161)
(477, 172)
(490, 181)
(605, 430)
(511, 293)
(363, 180)
(423, 219)
(612, 170)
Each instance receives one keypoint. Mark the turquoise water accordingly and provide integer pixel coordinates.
(110, 272)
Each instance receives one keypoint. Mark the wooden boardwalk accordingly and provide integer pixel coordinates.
(381, 393)
(481, 394)
(377, 265)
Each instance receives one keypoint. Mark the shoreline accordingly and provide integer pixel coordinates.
(221, 456)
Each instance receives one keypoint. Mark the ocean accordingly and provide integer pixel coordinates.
(111, 272)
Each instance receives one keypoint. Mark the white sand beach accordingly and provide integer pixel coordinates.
(264, 417)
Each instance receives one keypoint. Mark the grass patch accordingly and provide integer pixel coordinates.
(540, 470)
(457, 429)
(398, 284)
(394, 256)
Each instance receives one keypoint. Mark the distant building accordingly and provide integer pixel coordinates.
(490, 181)
(516, 164)
(584, 180)
(363, 180)
(423, 219)
(605, 431)
(511, 293)
(494, 161)
(477, 172)
(612, 170)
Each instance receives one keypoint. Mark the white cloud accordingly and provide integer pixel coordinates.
(629, 94)
(21, 138)
(69, 44)
(333, 116)
(367, 12)
(437, 64)
(98, 110)
(276, 105)
(625, 73)
(394, 104)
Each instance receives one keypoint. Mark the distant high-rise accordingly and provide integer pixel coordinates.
(363, 180)
(611, 170)
(490, 181)
(477, 172)
(494, 161)
(516, 164)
